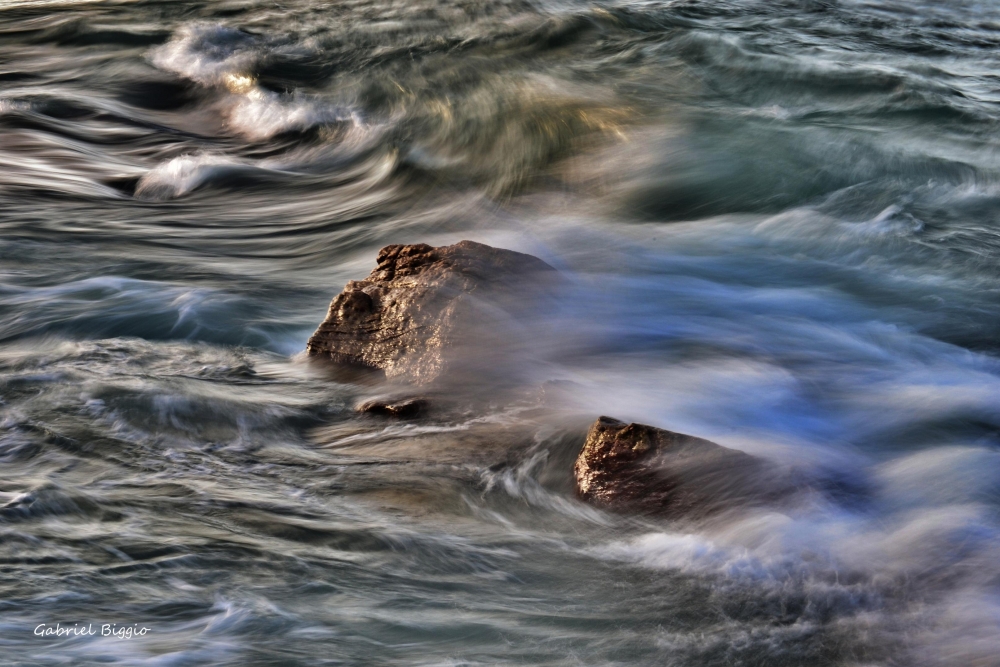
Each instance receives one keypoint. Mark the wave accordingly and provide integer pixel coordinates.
(113, 306)
(225, 58)
(183, 174)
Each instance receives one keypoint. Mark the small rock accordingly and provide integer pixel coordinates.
(634, 467)
(408, 408)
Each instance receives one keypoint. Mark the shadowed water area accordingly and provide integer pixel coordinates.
(779, 224)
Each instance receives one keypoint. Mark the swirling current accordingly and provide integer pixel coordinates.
(780, 220)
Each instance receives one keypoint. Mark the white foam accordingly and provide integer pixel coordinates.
(967, 632)
(683, 552)
(925, 544)
(260, 114)
(942, 476)
(224, 58)
(208, 53)
(181, 175)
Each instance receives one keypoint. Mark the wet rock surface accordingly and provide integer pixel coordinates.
(639, 468)
(426, 310)
(397, 408)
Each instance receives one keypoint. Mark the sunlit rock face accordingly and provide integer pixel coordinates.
(426, 312)
(634, 467)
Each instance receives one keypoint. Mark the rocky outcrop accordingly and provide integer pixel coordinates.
(634, 467)
(424, 311)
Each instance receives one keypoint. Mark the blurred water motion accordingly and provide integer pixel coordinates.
(779, 222)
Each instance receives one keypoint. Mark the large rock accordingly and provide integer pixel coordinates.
(424, 311)
(634, 467)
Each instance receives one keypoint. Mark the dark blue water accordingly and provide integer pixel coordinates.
(781, 225)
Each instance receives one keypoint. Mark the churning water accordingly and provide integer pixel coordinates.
(781, 221)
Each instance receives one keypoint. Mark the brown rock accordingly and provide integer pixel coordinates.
(641, 468)
(425, 310)
(404, 408)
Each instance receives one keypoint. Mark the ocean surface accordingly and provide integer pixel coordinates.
(780, 221)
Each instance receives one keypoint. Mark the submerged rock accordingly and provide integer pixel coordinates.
(642, 468)
(425, 310)
(402, 408)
